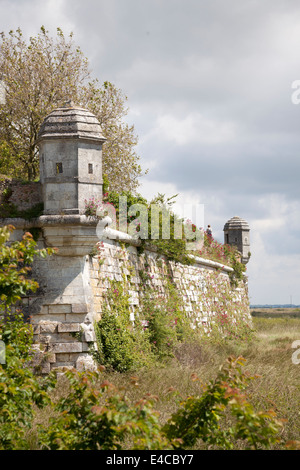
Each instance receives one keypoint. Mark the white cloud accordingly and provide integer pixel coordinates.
(33, 14)
(279, 212)
(272, 279)
(193, 129)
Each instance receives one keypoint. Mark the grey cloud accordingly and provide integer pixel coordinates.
(231, 170)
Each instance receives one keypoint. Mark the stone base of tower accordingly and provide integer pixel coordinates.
(64, 336)
(62, 309)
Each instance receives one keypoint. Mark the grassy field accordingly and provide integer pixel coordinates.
(268, 354)
(275, 312)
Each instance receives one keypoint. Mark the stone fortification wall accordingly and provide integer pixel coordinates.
(205, 286)
(23, 195)
(73, 290)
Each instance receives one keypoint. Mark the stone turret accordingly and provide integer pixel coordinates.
(236, 233)
(70, 146)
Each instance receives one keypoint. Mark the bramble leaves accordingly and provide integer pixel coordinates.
(201, 417)
(15, 261)
(96, 415)
(20, 390)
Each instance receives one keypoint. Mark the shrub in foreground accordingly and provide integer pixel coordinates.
(96, 415)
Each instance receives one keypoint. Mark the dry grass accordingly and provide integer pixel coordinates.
(269, 355)
(276, 312)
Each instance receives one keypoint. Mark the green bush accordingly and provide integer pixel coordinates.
(15, 264)
(122, 345)
(167, 323)
(222, 415)
(98, 416)
(20, 390)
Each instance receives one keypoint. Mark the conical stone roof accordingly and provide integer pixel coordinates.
(71, 121)
(236, 223)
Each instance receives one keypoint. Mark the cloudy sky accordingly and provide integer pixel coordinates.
(209, 87)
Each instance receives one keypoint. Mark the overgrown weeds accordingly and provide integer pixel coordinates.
(200, 399)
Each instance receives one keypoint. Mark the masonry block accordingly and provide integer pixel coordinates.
(51, 358)
(48, 327)
(45, 368)
(36, 329)
(59, 309)
(75, 317)
(68, 327)
(63, 357)
(43, 310)
(37, 319)
(62, 366)
(67, 347)
(79, 308)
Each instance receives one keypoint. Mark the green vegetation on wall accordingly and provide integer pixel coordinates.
(129, 338)
(173, 248)
(121, 346)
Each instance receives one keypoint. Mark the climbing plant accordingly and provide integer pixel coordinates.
(122, 344)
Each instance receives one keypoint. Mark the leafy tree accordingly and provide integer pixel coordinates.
(43, 73)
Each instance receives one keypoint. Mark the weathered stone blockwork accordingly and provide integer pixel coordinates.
(202, 286)
(73, 288)
(23, 195)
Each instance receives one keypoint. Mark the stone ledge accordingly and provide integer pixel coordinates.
(38, 319)
(47, 327)
(62, 367)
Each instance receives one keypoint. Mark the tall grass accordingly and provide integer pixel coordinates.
(268, 355)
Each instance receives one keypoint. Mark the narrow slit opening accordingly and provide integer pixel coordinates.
(59, 168)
